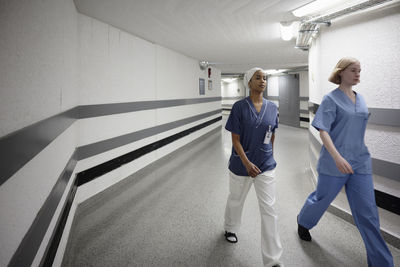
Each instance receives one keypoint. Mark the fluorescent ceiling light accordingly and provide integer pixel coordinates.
(315, 7)
(275, 71)
(228, 80)
(288, 30)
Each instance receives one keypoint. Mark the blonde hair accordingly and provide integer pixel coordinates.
(340, 66)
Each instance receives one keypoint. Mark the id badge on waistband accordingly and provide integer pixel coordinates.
(268, 136)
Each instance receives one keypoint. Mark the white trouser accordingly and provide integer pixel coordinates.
(264, 185)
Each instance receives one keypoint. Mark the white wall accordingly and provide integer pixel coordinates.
(38, 61)
(119, 67)
(53, 59)
(373, 37)
(38, 79)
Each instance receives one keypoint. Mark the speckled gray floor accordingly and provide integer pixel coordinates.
(171, 214)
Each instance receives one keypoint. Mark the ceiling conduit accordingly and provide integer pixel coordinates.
(309, 28)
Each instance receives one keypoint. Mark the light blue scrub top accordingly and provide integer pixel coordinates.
(252, 126)
(346, 123)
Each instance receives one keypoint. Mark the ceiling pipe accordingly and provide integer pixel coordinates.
(309, 28)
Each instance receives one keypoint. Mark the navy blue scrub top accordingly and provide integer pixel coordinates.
(252, 126)
(346, 123)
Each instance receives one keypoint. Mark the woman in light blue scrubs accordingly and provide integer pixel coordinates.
(341, 120)
(252, 123)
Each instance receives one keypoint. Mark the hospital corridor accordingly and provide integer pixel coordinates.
(171, 214)
(171, 133)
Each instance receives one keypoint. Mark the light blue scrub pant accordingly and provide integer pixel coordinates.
(361, 197)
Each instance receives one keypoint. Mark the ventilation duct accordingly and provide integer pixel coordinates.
(309, 29)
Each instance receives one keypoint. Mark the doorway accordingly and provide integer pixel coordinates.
(289, 100)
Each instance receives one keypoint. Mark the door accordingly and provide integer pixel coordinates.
(289, 100)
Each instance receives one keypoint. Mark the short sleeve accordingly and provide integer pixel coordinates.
(276, 119)
(276, 123)
(233, 123)
(326, 115)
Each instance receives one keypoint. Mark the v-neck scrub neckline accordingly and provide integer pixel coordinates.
(351, 101)
(254, 110)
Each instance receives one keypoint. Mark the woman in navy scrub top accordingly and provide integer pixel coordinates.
(341, 120)
(252, 123)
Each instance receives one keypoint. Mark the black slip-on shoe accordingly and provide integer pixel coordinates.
(231, 237)
(303, 232)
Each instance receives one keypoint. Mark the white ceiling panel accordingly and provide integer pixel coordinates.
(232, 34)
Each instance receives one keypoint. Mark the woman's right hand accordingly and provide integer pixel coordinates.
(252, 169)
(342, 165)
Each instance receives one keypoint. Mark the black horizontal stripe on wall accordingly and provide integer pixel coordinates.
(387, 202)
(92, 173)
(19, 147)
(27, 249)
(90, 150)
(305, 119)
(52, 245)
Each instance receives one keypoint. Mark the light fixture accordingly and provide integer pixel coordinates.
(228, 80)
(286, 31)
(275, 71)
(203, 64)
(315, 6)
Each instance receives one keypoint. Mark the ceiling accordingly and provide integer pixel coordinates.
(233, 35)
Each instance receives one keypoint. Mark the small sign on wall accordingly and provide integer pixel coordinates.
(202, 86)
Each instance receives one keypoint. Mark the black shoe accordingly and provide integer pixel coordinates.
(303, 232)
(231, 237)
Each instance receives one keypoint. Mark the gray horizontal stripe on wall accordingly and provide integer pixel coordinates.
(304, 98)
(273, 97)
(90, 150)
(89, 111)
(233, 97)
(18, 148)
(386, 169)
(305, 111)
(30, 244)
(379, 167)
(382, 116)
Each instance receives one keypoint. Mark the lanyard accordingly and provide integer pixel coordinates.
(259, 120)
